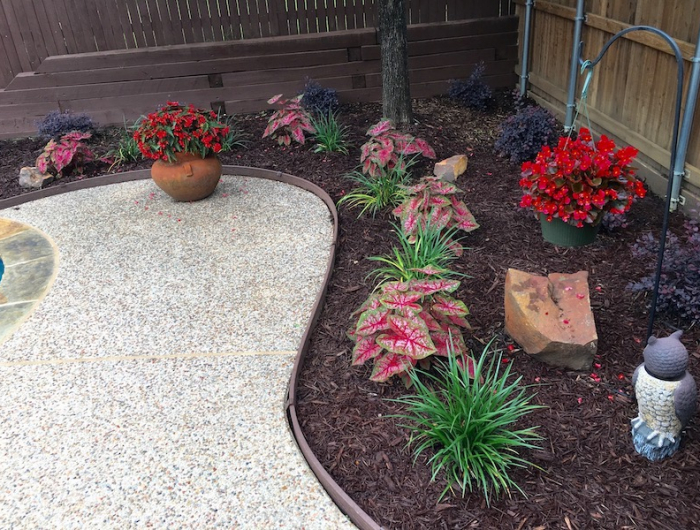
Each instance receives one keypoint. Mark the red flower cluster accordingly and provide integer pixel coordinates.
(579, 180)
(176, 128)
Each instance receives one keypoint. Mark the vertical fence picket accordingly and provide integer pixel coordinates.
(10, 64)
(147, 23)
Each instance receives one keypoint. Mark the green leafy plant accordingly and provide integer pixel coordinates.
(330, 135)
(388, 148)
(289, 122)
(433, 201)
(127, 149)
(177, 128)
(67, 154)
(428, 255)
(373, 194)
(402, 323)
(467, 419)
(233, 138)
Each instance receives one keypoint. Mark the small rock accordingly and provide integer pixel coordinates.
(551, 317)
(451, 168)
(31, 177)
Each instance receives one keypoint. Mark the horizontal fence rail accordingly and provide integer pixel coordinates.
(31, 30)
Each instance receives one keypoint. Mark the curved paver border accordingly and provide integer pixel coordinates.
(358, 516)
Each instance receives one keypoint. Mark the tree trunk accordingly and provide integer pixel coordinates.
(396, 88)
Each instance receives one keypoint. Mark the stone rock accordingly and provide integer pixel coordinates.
(451, 168)
(551, 318)
(31, 177)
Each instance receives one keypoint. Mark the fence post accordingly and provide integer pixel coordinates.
(575, 57)
(678, 167)
(526, 47)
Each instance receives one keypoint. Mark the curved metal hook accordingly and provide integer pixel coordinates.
(674, 146)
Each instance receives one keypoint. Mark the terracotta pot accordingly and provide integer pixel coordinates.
(190, 178)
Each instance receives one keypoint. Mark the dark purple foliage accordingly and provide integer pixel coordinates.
(524, 134)
(679, 289)
(318, 99)
(473, 92)
(57, 123)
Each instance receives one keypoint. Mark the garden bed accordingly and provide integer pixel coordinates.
(590, 474)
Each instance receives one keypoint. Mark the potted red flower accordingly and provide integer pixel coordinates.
(573, 185)
(183, 141)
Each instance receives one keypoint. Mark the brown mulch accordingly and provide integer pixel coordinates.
(590, 475)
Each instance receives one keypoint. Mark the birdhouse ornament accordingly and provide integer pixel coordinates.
(666, 396)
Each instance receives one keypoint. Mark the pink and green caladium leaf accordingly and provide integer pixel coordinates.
(298, 135)
(431, 324)
(371, 303)
(390, 287)
(402, 301)
(439, 200)
(275, 99)
(371, 322)
(384, 156)
(440, 217)
(417, 188)
(467, 363)
(430, 270)
(365, 350)
(408, 336)
(449, 341)
(431, 286)
(459, 321)
(379, 128)
(389, 364)
(425, 148)
(463, 217)
(442, 187)
(455, 247)
(448, 306)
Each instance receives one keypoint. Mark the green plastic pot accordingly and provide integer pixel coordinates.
(563, 234)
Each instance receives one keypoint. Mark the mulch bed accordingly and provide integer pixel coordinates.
(590, 475)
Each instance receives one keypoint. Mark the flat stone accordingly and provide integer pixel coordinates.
(31, 177)
(451, 168)
(551, 318)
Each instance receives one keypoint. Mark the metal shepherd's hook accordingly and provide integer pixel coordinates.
(674, 147)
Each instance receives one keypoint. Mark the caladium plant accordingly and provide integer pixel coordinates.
(289, 122)
(388, 147)
(402, 324)
(69, 152)
(433, 202)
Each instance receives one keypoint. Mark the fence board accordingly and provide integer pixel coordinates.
(9, 59)
(45, 27)
(155, 71)
(203, 52)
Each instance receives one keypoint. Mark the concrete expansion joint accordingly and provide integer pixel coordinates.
(118, 358)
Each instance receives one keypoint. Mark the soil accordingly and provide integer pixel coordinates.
(589, 475)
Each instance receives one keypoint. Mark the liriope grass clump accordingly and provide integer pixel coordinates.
(465, 418)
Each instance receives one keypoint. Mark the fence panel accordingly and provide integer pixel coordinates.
(31, 30)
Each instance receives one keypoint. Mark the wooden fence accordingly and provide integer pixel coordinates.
(31, 30)
(241, 75)
(632, 93)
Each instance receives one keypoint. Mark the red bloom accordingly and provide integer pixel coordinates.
(176, 128)
(580, 180)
